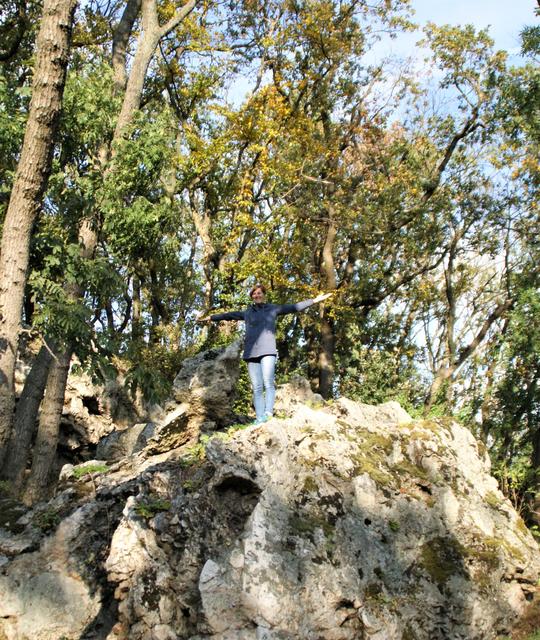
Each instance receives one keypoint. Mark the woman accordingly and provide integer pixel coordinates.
(260, 351)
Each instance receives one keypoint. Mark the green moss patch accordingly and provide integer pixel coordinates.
(310, 486)
(521, 526)
(372, 457)
(307, 525)
(441, 558)
(5, 488)
(431, 426)
(406, 467)
(420, 434)
(149, 506)
(373, 467)
(374, 462)
(394, 526)
(47, 520)
(376, 442)
(89, 469)
(493, 500)
(495, 544)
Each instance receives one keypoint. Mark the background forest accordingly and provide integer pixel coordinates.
(195, 148)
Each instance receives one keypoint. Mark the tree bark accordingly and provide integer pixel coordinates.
(31, 179)
(328, 339)
(451, 312)
(534, 430)
(203, 225)
(136, 328)
(486, 408)
(121, 36)
(49, 424)
(25, 419)
(110, 316)
(326, 357)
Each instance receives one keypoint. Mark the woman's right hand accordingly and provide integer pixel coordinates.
(201, 318)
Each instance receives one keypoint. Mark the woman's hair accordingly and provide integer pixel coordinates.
(257, 286)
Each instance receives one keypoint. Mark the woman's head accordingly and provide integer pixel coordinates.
(258, 293)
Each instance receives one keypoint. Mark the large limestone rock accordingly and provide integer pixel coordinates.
(44, 594)
(206, 383)
(336, 523)
(124, 442)
(203, 391)
(86, 410)
(368, 525)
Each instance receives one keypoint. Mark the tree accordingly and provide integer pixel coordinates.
(510, 399)
(30, 183)
(152, 32)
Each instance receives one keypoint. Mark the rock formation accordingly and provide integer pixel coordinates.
(202, 397)
(335, 522)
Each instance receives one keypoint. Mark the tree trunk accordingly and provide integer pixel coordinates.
(110, 316)
(153, 32)
(442, 375)
(534, 430)
(451, 311)
(445, 372)
(30, 183)
(121, 37)
(486, 408)
(136, 328)
(44, 450)
(328, 339)
(447, 365)
(26, 419)
(326, 358)
(49, 423)
(203, 225)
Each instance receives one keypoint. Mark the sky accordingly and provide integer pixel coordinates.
(505, 19)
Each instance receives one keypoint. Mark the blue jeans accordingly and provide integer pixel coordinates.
(262, 377)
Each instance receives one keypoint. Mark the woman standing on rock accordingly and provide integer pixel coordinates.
(260, 351)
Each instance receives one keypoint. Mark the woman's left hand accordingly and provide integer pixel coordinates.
(322, 297)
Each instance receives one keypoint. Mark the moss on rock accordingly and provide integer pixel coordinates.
(443, 557)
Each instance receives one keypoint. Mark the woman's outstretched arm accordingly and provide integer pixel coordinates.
(216, 317)
(300, 306)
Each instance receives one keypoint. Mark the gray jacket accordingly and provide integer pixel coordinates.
(260, 322)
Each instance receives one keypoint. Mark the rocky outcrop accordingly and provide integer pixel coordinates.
(335, 523)
(294, 393)
(91, 410)
(206, 384)
(203, 392)
(124, 442)
(48, 587)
